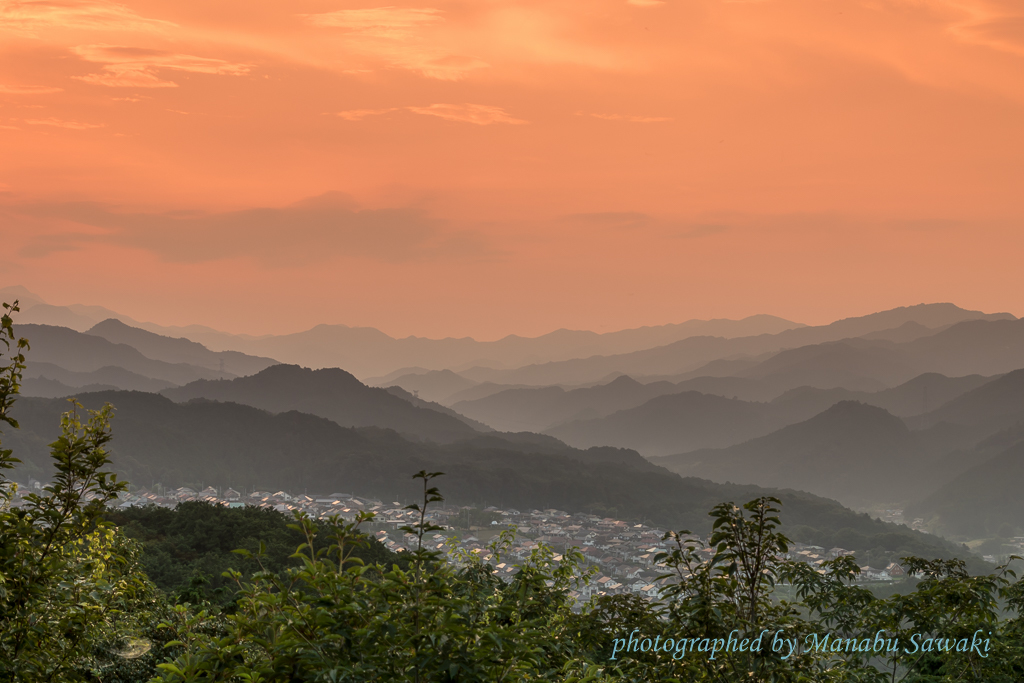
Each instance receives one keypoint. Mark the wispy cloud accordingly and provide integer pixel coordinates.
(632, 119)
(61, 123)
(999, 29)
(401, 37)
(310, 231)
(136, 67)
(28, 89)
(480, 114)
(30, 16)
(360, 114)
(379, 22)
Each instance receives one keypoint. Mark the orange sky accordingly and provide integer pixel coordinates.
(495, 166)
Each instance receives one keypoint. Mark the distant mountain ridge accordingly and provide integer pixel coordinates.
(84, 353)
(179, 350)
(368, 352)
(940, 350)
(681, 417)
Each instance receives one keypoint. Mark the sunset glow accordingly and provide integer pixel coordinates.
(511, 166)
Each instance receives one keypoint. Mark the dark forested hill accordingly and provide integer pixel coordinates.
(330, 393)
(226, 444)
(197, 540)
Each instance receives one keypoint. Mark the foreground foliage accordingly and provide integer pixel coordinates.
(187, 550)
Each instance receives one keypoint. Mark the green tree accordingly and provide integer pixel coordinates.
(71, 590)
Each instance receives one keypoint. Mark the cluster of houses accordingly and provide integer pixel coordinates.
(622, 555)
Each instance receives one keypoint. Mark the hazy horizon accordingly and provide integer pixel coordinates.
(152, 320)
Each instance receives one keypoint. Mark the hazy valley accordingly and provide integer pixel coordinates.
(917, 409)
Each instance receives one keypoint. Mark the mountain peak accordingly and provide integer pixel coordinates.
(108, 325)
(854, 415)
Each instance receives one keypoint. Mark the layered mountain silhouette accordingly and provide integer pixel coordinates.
(85, 353)
(180, 350)
(368, 352)
(920, 406)
(990, 407)
(920, 395)
(204, 443)
(58, 379)
(430, 405)
(539, 408)
(853, 452)
(994, 340)
(430, 385)
(679, 422)
(330, 393)
(673, 423)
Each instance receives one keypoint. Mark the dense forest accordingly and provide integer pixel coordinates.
(187, 550)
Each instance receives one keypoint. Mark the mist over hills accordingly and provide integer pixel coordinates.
(330, 393)
(228, 444)
(85, 353)
(180, 350)
(367, 352)
(983, 502)
(915, 397)
(1002, 334)
(992, 406)
(430, 385)
(678, 421)
(430, 405)
(672, 423)
(920, 406)
(539, 408)
(56, 378)
(855, 453)
(864, 456)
